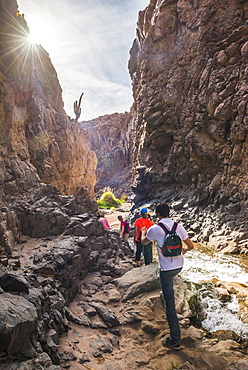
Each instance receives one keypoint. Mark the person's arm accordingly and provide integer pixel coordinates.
(144, 239)
(188, 247)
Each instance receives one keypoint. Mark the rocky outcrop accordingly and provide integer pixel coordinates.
(128, 322)
(35, 296)
(38, 141)
(38, 144)
(110, 137)
(189, 72)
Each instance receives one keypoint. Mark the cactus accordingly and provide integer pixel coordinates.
(77, 109)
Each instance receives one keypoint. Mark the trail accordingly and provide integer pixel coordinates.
(136, 342)
(112, 216)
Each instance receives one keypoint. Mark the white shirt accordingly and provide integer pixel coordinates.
(156, 233)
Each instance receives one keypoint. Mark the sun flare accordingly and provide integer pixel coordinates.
(42, 33)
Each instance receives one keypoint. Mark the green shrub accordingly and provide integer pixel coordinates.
(108, 200)
(123, 198)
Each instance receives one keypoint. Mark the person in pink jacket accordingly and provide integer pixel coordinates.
(104, 221)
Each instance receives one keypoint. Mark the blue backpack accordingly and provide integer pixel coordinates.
(172, 243)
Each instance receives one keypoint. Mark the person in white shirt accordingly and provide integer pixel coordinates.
(169, 268)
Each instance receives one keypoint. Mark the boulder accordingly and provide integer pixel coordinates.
(12, 282)
(136, 281)
(18, 320)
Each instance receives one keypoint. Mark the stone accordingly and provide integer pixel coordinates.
(136, 281)
(13, 282)
(99, 346)
(244, 50)
(84, 358)
(80, 320)
(45, 359)
(137, 357)
(150, 327)
(107, 316)
(67, 356)
(18, 319)
(94, 279)
(225, 346)
(222, 58)
(88, 309)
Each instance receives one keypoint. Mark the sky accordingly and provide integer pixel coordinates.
(88, 42)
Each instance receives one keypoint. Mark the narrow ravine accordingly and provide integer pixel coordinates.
(216, 279)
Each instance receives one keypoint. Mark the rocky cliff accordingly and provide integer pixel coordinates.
(47, 205)
(189, 72)
(110, 136)
(38, 142)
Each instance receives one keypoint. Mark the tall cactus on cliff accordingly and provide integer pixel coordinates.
(77, 109)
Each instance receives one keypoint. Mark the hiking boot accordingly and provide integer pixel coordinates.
(167, 342)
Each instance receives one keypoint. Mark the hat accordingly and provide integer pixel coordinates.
(143, 210)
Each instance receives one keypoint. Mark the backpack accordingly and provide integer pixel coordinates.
(172, 243)
(126, 228)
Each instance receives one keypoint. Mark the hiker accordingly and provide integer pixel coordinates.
(169, 267)
(104, 221)
(124, 228)
(143, 221)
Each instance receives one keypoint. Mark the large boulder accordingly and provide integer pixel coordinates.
(18, 320)
(136, 281)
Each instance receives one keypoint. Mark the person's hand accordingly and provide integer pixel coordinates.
(184, 250)
(143, 229)
(187, 246)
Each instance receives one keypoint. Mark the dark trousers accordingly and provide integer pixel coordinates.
(147, 252)
(166, 279)
(138, 251)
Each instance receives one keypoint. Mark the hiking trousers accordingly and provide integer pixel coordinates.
(147, 252)
(166, 279)
(138, 250)
(125, 236)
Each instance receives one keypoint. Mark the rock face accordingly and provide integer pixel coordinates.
(189, 71)
(38, 141)
(110, 137)
(34, 297)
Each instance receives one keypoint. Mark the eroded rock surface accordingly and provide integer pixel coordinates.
(189, 71)
(111, 138)
(36, 292)
(38, 141)
(133, 340)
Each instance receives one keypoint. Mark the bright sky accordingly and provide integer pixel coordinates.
(88, 42)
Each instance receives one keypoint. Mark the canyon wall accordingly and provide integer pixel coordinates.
(110, 137)
(189, 71)
(42, 151)
(38, 141)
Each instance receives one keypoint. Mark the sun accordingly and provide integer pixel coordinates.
(42, 33)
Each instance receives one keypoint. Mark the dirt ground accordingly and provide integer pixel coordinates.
(111, 216)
